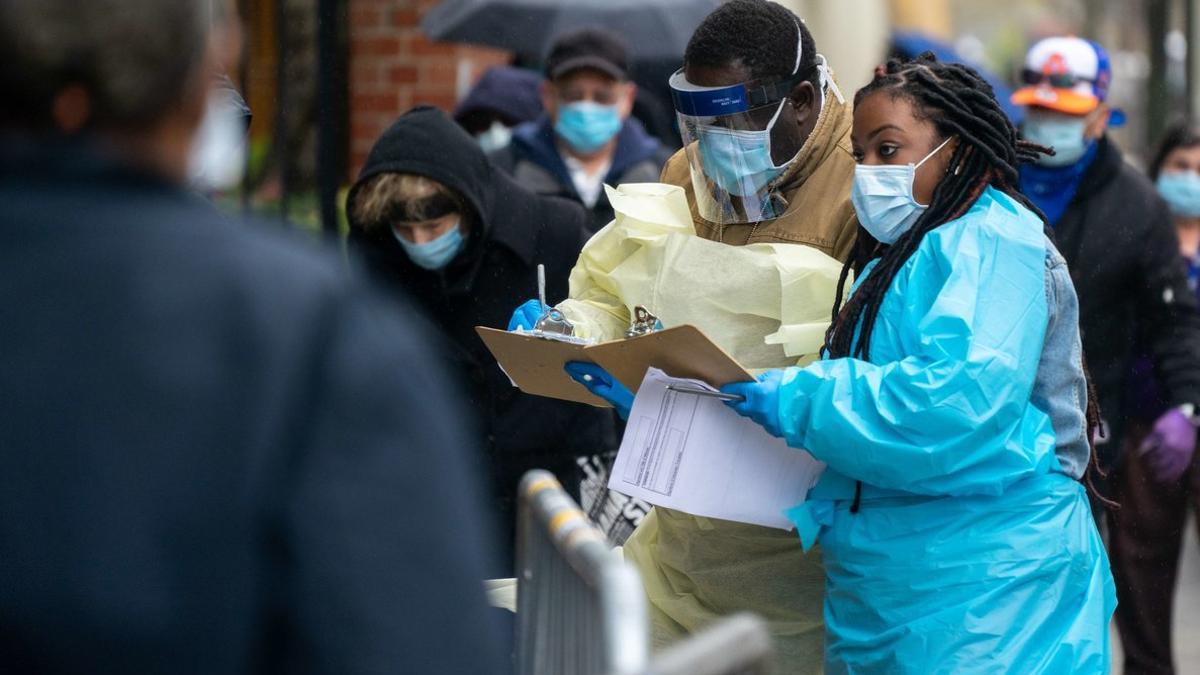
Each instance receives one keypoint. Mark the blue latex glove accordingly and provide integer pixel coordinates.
(761, 402)
(1169, 446)
(599, 382)
(526, 315)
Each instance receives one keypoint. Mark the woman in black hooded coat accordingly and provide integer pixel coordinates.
(475, 277)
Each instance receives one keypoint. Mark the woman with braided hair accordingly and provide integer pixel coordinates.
(951, 407)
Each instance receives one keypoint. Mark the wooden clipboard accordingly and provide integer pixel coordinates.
(535, 364)
(682, 351)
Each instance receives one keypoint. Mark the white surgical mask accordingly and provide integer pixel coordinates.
(494, 137)
(883, 198)
(218, 155)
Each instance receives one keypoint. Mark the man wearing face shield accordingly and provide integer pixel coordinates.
(1118, 238)
(766, 171)
(766, 159)
(765, 129)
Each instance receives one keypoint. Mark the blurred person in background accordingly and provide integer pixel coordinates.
(503, 98)
(766, 171)
(586, 138)
(1117, 236)
(435, 221)
(1157, 489)
(212, 439)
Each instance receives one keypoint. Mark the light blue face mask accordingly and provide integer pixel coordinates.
(738, 162)
(1181, 189)
(883, 198)
(1064, 133)
(435, 254)
(586, 126)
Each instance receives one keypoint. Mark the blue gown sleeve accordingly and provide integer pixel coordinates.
(944, 406)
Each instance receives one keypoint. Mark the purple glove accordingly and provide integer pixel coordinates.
(1169, 446)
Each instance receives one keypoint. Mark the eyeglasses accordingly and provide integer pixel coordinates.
(1056, 80)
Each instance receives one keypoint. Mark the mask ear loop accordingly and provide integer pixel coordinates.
(827, 79)
(933, 152)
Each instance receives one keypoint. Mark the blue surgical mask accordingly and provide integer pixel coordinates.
(883, 198)
(587, 126)
(435, 254)
(1064, 133)
(1181, 189)
(738, 162)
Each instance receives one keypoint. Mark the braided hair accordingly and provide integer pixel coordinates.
(959, 103)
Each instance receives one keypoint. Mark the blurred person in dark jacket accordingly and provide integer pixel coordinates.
(1157, 490)
(587, 137)
(505, 97)
(219, 453)
(1115, 232)
(436, 221)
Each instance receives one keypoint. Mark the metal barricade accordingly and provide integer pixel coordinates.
(737, 645)
(581, 609)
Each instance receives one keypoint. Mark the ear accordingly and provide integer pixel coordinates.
(803, 98)
(549, 99)
(626, 106)
(1098, 122)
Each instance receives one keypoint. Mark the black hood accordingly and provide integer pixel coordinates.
(426, 142)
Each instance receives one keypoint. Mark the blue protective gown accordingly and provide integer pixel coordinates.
(972, 551)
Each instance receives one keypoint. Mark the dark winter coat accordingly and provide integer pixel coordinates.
(512, 230)
(533, 160)
(1119, 240)
(218, 453)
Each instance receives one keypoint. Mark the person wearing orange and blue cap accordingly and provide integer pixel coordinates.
(1117, 235)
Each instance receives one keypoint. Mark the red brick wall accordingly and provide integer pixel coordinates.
(393, 67)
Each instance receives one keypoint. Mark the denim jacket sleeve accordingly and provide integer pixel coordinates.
(1060, 389)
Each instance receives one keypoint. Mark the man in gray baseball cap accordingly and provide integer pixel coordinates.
(586, 138)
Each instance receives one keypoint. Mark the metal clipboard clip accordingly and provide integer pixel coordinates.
(551, 322)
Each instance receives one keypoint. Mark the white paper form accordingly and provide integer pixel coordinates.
(694, 454)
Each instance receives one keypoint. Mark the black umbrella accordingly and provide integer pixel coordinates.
(653, 29)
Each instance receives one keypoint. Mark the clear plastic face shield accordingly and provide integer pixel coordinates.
(728, 134)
